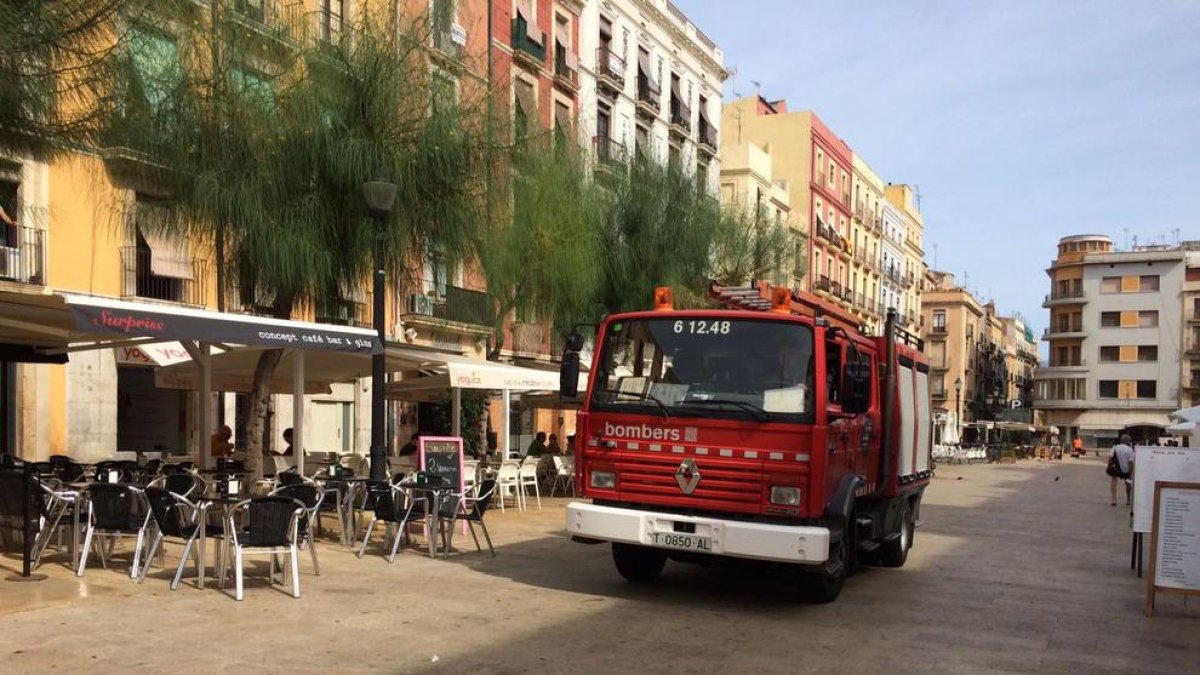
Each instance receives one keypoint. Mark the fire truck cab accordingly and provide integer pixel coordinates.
(770, 431)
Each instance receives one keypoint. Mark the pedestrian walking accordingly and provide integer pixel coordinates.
(1120, 467)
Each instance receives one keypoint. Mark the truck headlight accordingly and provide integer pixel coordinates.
(604, 479)
(788, 496)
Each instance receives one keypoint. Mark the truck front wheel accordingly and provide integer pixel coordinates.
(638, 563)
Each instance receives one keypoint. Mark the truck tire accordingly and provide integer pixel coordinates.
(895, 552)
(825, 584)
(638, 564)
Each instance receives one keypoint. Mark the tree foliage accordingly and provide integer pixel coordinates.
(542, 263)
(272, 152)
(56, 60)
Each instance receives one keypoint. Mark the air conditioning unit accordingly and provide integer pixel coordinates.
(419, 303)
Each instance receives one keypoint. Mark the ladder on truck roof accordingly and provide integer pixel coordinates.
(757, 297)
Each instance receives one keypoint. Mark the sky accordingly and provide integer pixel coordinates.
(1020, 122)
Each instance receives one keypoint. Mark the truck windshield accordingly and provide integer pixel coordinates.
(704, 367)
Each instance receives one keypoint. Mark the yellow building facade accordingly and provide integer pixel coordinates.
(77, 231)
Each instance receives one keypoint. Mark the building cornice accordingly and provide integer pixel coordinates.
(664, 22)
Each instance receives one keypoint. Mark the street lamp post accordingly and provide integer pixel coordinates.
(379, 197)
(957, 404)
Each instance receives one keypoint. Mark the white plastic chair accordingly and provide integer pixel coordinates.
(527, 477)
(509, 478)
(564, 475)
(470, 475)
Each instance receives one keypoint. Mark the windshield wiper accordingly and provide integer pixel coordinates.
(642, 397)
(759, 414)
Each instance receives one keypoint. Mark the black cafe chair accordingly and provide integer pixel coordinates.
(471, 509)
(115, 511)
(273, 523)
(175, 517)
(311, 497)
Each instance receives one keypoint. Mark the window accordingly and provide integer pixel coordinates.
(443, 91)
(1147, 319)
(1110, 285)
(1148, 283)
(1110, 319)
(253, 86)
(1147, 389)
(525, 108)
(603, 134)
(1108, 388)
(332, 12)
(1147, 353)
(562, 124)
(939, 321)
(156, 65)
(1110, 354)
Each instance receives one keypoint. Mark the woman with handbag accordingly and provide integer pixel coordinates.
(1120, 467)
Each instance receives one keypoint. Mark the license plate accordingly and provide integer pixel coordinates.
(685, 542)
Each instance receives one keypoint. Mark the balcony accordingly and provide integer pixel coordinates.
(681, 118)
(938, 394)
(835, 289)
(649, 98)
(444, 45)
(608, 151)
(343, 312)
(1064, 298)
(23, 255)
(822, 284)
(1192, 348)
(859, 209)
(566, 69)
(610, 70)
(1076, 331)
(186, 284)
(939, 367)
(447, 303)
(707, 137)
(938, 333)
(528, 43)
(531, 340)
(1194, 317)
(1192, 384)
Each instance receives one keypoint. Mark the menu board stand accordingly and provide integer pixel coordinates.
(443, 456)
(1174, 541)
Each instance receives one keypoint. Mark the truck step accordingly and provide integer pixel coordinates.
(868, 546)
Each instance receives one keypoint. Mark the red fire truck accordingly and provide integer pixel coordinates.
(773, 430)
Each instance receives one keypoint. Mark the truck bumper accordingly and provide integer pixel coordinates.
(735, 538)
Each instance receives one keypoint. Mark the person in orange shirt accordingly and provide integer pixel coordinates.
(1077, 447)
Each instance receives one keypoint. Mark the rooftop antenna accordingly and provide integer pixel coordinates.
(757, 88)
(733, 82)
(935, 256)
(917, 195)
(1126, 231)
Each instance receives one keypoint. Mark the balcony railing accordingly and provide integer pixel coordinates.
(139, 280)
(22, 255)
(1194, 316)
(708, 135)
(938, 329)
(609, 151)
(444, 42)
(530, 339)
(1193, 383)
(681, 116)
(451, 303)
(524, 46)
(649, 99)
(343, 312)
(822, 283)
(564, 73)
(610, 68)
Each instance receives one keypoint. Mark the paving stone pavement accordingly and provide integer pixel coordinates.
(1017, 569)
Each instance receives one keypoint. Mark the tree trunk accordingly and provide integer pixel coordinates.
(260, 395)
(502, 312)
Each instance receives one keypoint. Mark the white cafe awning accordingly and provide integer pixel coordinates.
(156, 354)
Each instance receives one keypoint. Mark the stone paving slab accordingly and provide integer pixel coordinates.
(1013, 572)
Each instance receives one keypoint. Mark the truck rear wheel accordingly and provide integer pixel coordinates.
(638, 564)
(894, 553)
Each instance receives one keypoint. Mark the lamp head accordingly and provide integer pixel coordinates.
(380, 197)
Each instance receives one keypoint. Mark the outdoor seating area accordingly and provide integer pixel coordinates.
(137, 516)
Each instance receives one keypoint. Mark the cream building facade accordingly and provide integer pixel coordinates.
(650, 84)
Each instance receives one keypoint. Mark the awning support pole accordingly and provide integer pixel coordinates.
(455, 411)
(506, 409)
(205, 423)
(298, 408)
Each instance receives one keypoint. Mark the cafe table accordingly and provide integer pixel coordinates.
(223, 504)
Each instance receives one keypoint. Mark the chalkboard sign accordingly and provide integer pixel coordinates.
(443, 456)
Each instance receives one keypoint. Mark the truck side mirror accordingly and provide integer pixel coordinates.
(574, 342)
(856, 387)
(568, 375)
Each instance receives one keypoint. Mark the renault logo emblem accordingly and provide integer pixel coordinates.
(687, 476)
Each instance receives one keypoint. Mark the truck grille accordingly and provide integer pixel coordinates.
(724, 483)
